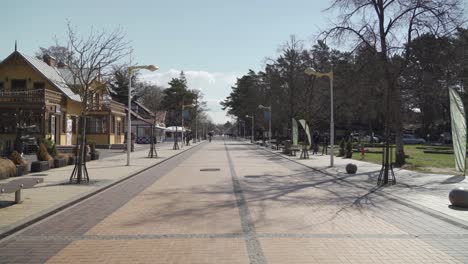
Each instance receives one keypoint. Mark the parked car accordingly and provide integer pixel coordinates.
(412, 139)
(365, 139)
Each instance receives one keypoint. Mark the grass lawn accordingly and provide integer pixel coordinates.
(417, 160)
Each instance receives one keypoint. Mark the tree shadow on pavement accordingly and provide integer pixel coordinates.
(310, 189)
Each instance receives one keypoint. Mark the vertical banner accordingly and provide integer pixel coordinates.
(295, 132)
(266, 115)
(457, 114)
(306, 128)
(186, 114)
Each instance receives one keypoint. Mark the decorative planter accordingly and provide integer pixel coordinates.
(60, 162)
(37, 166)
(94, 155)
(21, 170)
(51, 163)
(71, 160)
(459, 197)
(351, 168)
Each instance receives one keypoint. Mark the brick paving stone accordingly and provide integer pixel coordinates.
(258, 208)
(78, 219)
(154, 251)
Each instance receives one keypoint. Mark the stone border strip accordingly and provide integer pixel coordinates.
(254, 249)
(237, 236)
(402, 201)
(11, 230)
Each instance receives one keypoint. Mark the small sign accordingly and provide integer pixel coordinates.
(186, 114)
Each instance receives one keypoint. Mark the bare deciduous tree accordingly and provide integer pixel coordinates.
(84, 73)
(152, 97)
(388, 27)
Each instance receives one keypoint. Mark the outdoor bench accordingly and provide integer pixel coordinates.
(15, 186)
(294, 150)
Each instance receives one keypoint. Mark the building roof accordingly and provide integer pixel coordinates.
(52, 74)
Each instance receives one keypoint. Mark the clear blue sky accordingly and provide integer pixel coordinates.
(214, 41)
(200, 35)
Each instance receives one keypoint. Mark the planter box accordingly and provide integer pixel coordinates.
(51, 163)
(94, 156)
(21, 170)
(58, 163)
(37, 166)
(71, 160)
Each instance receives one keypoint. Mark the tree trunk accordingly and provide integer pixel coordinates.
(82, 153)
(398, 126)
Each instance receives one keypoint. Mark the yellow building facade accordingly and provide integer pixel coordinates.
(34, 95)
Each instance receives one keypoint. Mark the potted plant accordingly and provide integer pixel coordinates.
(349, 150)
(43, 159)
(93, 152)
(341, 151)
(21, 164)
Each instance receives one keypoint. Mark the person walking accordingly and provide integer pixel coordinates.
(325, 145)
(210, 136)
(315, 140)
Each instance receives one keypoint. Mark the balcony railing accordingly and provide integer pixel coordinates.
(112, 107)
(39, 96)
(21, 97)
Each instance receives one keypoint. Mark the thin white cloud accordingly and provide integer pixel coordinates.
(214, 85)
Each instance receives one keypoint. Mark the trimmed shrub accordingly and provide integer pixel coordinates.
(7, 168)
(42, 154)
(17, 159)
(351, 168)
(341, 152)
(349, 149)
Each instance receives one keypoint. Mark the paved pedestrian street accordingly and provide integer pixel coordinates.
(232, 202)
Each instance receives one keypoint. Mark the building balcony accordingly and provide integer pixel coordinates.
(32, 97)
(112, 107)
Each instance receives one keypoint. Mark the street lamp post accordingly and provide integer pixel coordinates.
(129, 106)
(311, 71)
(253, 131)
(269, 122)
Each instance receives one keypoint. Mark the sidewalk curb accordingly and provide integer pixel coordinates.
(12, 229)
(394, 198)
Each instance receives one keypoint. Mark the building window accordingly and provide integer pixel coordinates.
(18, 85)
(8, 123)
(2, 87)
(95, 125)
(39, 85)
(118, 128)
(74, 124)
(112, 124)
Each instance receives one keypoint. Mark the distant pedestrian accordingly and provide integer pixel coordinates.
(325, 146)
(315, 140)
